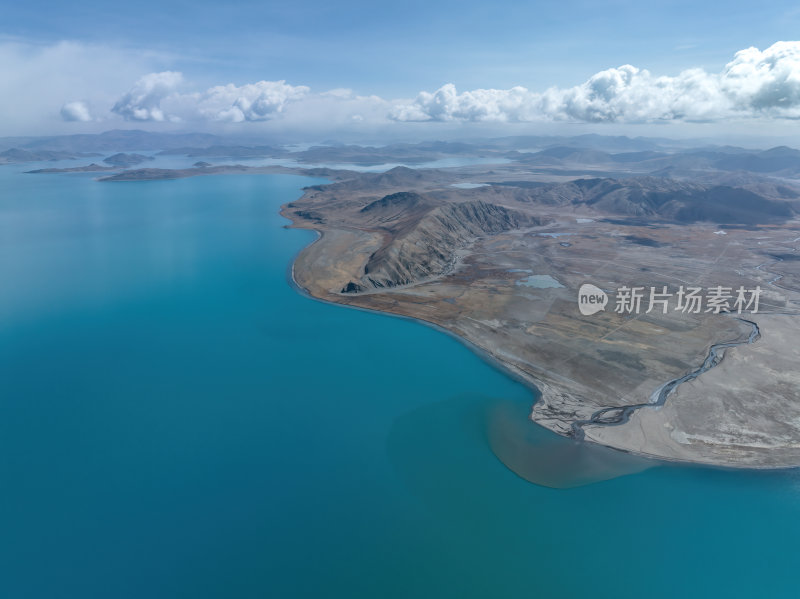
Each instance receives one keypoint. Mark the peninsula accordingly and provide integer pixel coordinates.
(496, 255)
(496, 250)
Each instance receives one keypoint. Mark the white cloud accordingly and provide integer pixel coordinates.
(754, 84)
(446, 104)
(154, 97)
(767, 82)
(76, 111)
(143, 101)
(38, 79)
(258, 101)
(760, 86)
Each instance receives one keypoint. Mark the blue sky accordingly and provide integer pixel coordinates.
(391, 50)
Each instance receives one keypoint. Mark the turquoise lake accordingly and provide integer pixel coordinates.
(177, 421)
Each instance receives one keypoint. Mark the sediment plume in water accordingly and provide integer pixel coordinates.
(542, 457)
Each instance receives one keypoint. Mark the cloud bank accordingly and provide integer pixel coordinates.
(155, 97)
(258, 101)
(754, 84)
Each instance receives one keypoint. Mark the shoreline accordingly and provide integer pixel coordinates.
(506, 368)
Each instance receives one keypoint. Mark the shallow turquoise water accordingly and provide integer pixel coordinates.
(176, 421)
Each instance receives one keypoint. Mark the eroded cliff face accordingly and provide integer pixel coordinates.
(426, 247)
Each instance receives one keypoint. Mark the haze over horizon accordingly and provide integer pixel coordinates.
(413, 72)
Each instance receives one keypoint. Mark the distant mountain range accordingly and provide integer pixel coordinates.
(667, 199)
(607, 155)
(117, 140)
(780, 160)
